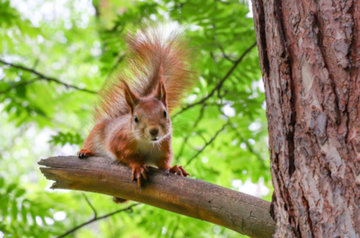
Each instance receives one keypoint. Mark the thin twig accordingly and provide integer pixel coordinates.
(202, 136)
(225, 55)
(90, 205)
(19, 85)
(207, 143)
(249, 147)
(185, 140)
(242, 138)
(220, 83)
(47, 78)
(94, 219)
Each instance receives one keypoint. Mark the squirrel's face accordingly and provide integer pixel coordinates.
(150, 120)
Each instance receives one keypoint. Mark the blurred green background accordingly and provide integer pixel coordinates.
(55, 56)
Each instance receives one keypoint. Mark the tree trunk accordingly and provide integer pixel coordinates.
(309, 55)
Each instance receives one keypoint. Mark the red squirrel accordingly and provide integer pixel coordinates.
(132, 122)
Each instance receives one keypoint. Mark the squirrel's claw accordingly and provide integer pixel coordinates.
(84, 153)
(138, 173)
(179, 170)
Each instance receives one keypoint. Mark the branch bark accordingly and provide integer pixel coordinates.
(195, 198)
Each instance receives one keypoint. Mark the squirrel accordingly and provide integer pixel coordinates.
(132, 122)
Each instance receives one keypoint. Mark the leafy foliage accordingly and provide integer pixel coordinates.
(55, 56)
(21, 216)
(63, 138)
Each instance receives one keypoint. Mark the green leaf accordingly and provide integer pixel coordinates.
(14, 210)
(20, 192)
(11, 188)
(2, 182)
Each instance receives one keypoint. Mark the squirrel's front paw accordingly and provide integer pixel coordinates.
(84, 153)
(179, 170)
(138, 173)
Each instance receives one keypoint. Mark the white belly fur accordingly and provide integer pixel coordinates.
(151, 152)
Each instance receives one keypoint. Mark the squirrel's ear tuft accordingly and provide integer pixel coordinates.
(161, 92)
(131, 99)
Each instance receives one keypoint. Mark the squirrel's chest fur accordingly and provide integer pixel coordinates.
(120, 143)
(150, 152)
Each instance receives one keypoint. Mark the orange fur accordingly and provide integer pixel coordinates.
(132, 122)
(151, 58)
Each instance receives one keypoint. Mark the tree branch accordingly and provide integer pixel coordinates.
(96, 218)
(90, 205)
(237, 211)
(220, 83)
(185, 140)
(207, 143)
(225, 56)
(19, 85)
(47, 78)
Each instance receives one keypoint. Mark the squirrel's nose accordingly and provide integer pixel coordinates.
(154, 131)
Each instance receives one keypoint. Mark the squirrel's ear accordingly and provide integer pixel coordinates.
(131, 99)
(161, 92)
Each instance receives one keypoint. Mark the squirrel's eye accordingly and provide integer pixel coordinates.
(165, 114)
(136, 119)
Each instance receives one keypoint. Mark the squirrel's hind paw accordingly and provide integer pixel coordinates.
(179, 170)
(119, 200)
(83, 153)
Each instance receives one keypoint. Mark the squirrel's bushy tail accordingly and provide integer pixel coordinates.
(152, 55)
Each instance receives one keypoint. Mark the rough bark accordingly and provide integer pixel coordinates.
(240, 212)
(309, 55)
